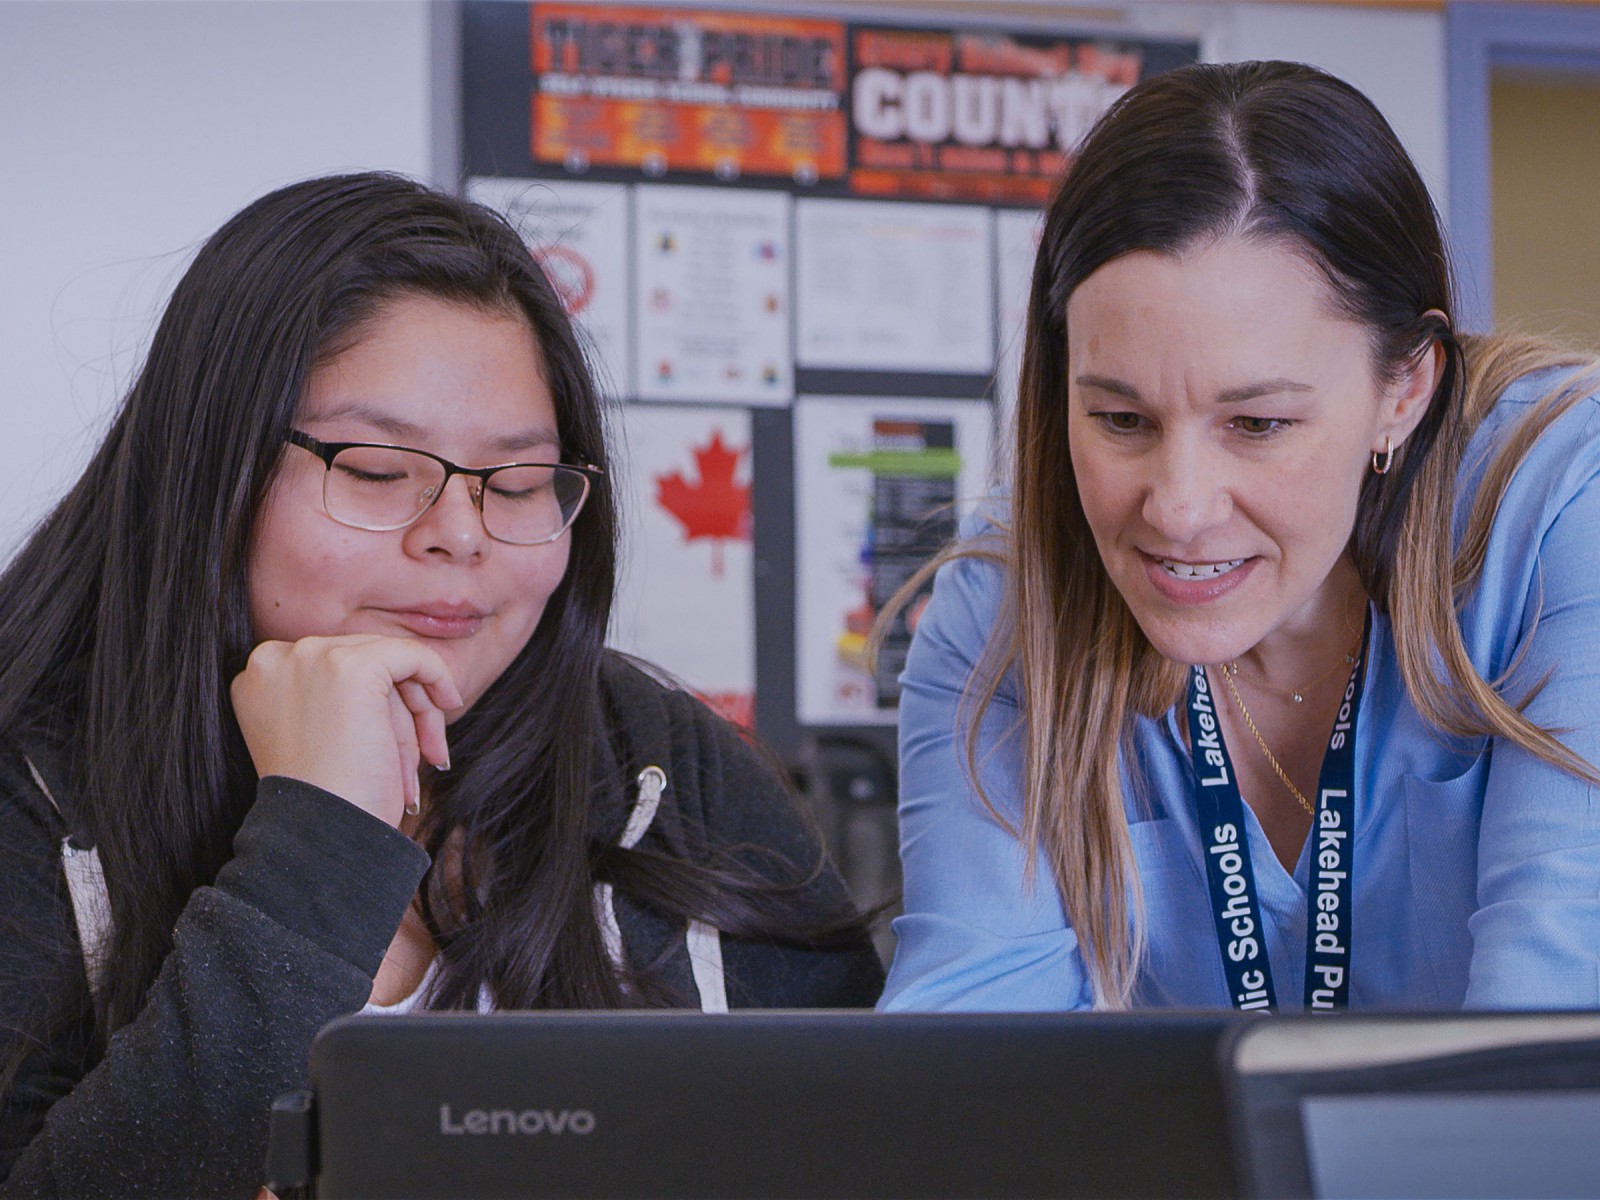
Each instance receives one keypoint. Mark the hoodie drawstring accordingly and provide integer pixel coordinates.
(86, 886)
(704, 940)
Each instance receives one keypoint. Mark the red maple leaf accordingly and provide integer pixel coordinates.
(716, 507)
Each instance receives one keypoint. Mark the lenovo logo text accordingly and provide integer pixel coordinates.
(482, 1122)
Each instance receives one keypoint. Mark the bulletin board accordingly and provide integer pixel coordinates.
(798, 247)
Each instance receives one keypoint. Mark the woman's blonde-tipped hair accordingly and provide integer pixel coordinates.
(1280, 154)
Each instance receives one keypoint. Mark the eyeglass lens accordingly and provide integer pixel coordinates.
(380, 487)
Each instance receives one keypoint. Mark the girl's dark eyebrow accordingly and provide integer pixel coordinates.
(534, 436)
(1233, 395)
(542, 437)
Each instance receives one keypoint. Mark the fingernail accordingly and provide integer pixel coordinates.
(445, 765)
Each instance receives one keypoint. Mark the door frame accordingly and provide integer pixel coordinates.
(1478, 38)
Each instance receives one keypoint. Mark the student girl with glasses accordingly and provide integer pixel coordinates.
(1273, 681)
(306, 710)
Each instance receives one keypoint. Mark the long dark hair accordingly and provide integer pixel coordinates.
(125, 617)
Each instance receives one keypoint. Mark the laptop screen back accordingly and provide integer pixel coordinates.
(1491, 1105)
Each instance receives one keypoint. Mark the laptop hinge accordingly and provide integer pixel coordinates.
(292, 1145)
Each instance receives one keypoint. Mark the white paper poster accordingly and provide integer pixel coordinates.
(1017, 240)
(894, 287)
(880, 486)
(579, 231)
(686, 594)
(712, 303)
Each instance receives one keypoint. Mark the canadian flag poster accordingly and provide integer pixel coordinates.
(714, 504)
(686, 595)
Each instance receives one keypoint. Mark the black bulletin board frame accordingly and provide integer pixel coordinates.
(497, 80)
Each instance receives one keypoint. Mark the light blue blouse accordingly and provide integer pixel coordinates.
(1476, 866)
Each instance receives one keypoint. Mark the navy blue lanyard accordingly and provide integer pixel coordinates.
(1235, 906)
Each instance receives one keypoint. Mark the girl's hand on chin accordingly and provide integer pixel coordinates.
(356, 715)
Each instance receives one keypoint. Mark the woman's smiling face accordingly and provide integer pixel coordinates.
(1221, 418)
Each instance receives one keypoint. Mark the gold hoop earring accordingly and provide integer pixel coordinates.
(1382, 462)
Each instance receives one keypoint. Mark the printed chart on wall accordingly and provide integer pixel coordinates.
(880, 485)
(903, 287)
(713, 295)
(579, 233)
(686, 598)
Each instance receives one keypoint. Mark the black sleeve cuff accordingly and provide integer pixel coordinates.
(325, 869)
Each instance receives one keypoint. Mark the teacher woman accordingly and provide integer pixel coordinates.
(1273, 681)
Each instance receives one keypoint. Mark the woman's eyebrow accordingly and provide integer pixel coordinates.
(1267, 387)
(1116, 387)
(1233, 395)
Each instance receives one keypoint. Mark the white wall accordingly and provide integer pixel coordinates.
(130, 129)
(1397, 57)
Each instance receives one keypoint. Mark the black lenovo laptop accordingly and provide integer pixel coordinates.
(612, 1106)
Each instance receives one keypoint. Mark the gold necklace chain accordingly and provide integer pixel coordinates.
(1298, 695)
(1272, 759)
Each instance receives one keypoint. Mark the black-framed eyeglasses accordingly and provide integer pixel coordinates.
(368, 485)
